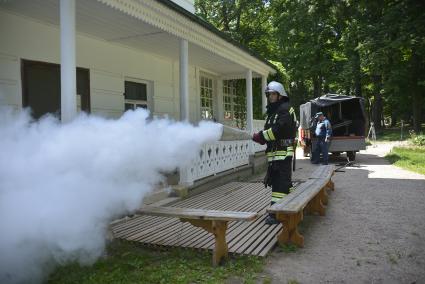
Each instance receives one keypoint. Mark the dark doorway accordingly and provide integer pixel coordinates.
(41, 88)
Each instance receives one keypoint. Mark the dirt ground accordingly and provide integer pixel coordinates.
(373, 231)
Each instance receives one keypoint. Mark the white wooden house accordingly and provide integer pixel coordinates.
(127, 53)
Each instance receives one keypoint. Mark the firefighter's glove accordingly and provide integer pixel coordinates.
(327, 139)
(258, 138)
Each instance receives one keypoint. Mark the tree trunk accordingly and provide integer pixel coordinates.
(417, 110)
(357, 75)
(317, 85)
(393, 119)
(416, 91)
(377, 111)
(377, 103)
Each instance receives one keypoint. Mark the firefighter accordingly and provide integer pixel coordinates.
(279, 135)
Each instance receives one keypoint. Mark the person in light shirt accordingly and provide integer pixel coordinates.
(323, 133)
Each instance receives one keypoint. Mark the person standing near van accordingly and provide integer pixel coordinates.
(323, 134)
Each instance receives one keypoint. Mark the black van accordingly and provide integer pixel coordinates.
(348, 120)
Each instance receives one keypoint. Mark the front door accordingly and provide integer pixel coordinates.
(41, 88)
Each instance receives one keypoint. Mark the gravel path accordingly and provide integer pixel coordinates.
(373, 231)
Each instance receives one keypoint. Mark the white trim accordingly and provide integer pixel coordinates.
(249, 107)
(220, 105)
(149, 91)
(68, 61)
(263, 96)
(166, 19)
(184, 80)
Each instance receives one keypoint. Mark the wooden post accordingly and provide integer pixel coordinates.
(330, 185)
(290, 232)
(324, 196)
(218, 229)
(316, 205)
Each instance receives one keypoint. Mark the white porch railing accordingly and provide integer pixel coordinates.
(214, 158)
(257, 126)
(220, 156)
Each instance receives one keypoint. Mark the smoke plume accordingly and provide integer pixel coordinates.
(61, 184)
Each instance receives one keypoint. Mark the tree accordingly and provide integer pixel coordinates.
(372, 49)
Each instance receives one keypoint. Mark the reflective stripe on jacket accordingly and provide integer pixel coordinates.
(279, 131)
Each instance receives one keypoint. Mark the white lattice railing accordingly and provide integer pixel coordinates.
(214, 158)
(258, 125)
(221, 156)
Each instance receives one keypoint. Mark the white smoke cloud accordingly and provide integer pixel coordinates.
(61, 185)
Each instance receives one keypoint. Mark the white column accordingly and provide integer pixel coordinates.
(186, 178)
(184, 80)
(249, 111)
(220, 106)
(68, 65)
(263, 96)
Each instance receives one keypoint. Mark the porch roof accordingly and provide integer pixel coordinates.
(154, 26)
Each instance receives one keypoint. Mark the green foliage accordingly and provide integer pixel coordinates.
(410, 158)
(373, 49)
(288, 248)
(417, 140)
(131, 263)
(392, 134)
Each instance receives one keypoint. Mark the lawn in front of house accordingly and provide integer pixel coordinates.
(409, 158)
(127, 262)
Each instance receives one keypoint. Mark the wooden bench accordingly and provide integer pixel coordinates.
(309, 196)
(325, 172)
(213, 221)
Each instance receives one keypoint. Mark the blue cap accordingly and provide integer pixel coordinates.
(318, 114)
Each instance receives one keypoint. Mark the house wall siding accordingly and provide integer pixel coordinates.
(109, 64)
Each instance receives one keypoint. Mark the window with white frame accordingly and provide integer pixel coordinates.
(207, 91)
(135, 95)
(229, 99)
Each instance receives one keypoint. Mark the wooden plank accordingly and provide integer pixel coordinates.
(202, 240)
(174, 237)
(250, 242)
(192, 213)
(258, 243)
(143, 221)
(162, 234)
(240, 240)
(201, 199)
(141, 225)
(323, 171)
(235, 197)
(297, 200)
(202, 235)
(268, 243)
(187, 236)
(236, 226)
(149, 231)
(232, 200)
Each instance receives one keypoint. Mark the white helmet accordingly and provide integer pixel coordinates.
(274, 86)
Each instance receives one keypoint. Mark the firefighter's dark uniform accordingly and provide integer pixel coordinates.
(279, 134)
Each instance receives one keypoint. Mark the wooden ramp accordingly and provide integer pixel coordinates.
(254, 238)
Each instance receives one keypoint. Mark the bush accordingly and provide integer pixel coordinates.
(418, 140)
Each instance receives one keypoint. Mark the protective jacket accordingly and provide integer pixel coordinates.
(279, 131)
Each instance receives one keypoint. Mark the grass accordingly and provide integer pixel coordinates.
(392, 134)
(128, 262)
(409, 158)
(289, 248)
